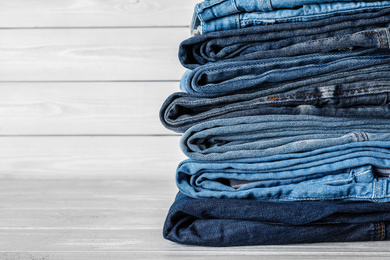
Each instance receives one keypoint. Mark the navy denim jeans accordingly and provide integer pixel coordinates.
(363, 93)
(338, 33)
(233, 77)
(233, 222)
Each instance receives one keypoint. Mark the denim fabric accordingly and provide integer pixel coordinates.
(305, 13)
(233, 222)
(233, 77)
(366, 96)
(288, 39)
(212, 9)
(267, 135)
(353, 174)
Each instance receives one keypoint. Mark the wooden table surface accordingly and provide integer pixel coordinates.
(86, 168)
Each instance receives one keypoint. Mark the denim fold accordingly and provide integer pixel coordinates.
(368, 30)
(248, 76)
(233, 222)
(354, 174)
(305, 13)
(364, 93)
(266, 135)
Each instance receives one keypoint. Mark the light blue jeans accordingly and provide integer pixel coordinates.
(253, 137)
(220, 15)
(352, 173)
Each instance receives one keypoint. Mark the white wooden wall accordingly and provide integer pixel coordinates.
(86, 169)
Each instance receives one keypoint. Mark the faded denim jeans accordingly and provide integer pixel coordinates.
(254, 137)
(224, 15)
(233, 222)
(368, 30)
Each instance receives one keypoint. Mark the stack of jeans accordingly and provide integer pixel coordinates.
(285, 115)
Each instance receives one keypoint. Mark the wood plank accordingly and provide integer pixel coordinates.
(79, 158)
(106, 198)
(195, 254)
(91, 54)
(152, 241)
(112, 108)
(92, 13)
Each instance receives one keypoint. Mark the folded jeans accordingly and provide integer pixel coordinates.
(356, 174)
(233, 222)
(236, 77)
(307, 12)
(364, 93)
(338, 33)
(267, 135)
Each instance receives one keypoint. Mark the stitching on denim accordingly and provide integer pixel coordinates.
(356, 136)
(374, 191)
(340, 37)
(330, 181)
(366, 136)
(376, 231)
(348, 179)
(233, 108)
(382, 231)
(234, 5)
(333, 198)
(343, 58)
(318, 15)
(320, 94)
(261, 5)
(380, 38)
(388, 38)
(269, 5)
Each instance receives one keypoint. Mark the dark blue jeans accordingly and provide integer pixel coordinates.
(364, 93)
(234, 222)
(224, 78)
(338, 33)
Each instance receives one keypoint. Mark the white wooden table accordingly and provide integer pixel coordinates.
(86, 169)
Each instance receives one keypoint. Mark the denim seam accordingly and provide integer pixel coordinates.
(322, 198)
(269, 5)
(317, 15)
(319, 94)
(337, 181)
(380, 38)
(233, 108)
(374, 191)
(207, 5)
(382, 231)
(388, 38)
(377, 57)
(377, 232)
(345, 36)
(234, 5)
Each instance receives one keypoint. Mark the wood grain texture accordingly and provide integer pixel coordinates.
(107, 198)
(90, 158)
(95, 13)
(91, 54)
(196, 254)
(112, 108)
